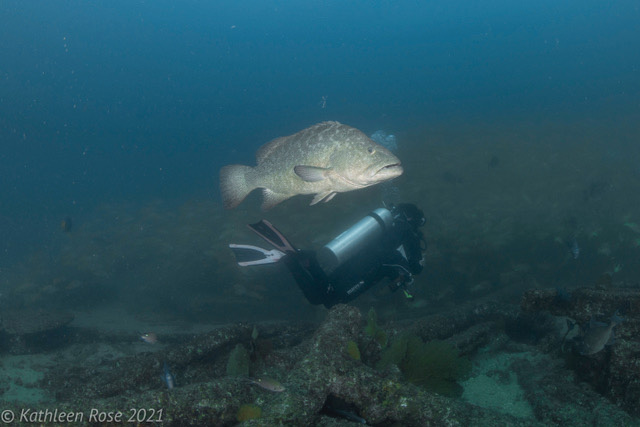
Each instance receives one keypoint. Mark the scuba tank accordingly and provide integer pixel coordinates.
(350, 242)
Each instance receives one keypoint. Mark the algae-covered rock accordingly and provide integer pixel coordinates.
(614, 371)
(314, 368)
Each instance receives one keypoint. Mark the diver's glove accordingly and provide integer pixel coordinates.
(404, 279)
(405, 289)
(405, 285)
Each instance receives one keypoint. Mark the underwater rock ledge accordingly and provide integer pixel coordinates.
(614, 371)
(311, 367)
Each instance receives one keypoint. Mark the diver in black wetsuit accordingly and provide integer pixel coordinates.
(387, 243)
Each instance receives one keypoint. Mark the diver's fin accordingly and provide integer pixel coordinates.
(253, 255)
(270, 233)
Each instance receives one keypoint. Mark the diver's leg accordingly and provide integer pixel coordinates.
(309, 276)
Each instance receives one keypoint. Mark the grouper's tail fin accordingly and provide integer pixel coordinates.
(235, 184)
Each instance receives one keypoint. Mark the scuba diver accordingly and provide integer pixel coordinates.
(387, 243)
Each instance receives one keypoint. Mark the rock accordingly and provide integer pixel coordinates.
(28, 331)
(614, 371)
(312, 368)
(558, 399)
(25, 322)
(203, 356)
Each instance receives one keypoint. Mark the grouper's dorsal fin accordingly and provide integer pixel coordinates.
(268, 148)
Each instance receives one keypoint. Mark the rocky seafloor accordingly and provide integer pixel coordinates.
(523, 370)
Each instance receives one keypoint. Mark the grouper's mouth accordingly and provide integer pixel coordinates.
(385, 173)
(388, 172)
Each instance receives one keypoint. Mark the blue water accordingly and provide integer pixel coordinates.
(516, 123)
(132, 100)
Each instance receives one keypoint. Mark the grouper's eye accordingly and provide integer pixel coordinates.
(371, 150)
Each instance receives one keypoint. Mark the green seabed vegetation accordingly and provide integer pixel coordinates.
(434, 365)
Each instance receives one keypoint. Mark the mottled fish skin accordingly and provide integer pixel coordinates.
(324, 159)
(597, 336)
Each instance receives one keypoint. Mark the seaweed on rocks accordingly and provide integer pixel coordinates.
(312, 368)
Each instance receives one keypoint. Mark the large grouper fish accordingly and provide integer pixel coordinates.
(324, 159)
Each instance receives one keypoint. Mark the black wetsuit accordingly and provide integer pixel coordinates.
(365, 269)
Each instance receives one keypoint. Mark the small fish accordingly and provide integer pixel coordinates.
(168, 377)
(563, 296)
(574, 248)
(323, 101)
(348, 415)
(66, 224)
(325, 159)
(149, 338)
(268, 384)
(597, 335)
(387, 141)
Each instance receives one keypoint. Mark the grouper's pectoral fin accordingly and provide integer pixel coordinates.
(311, 173)
(323, 197)
(270, 199)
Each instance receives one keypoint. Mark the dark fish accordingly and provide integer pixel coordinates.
(168, 377)
(570, 326)
(348, 415)
(574, 248)
(324, 159)
(338, 408)
(597, 335)
(268, 384)
(596, 190)
(563, 297)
